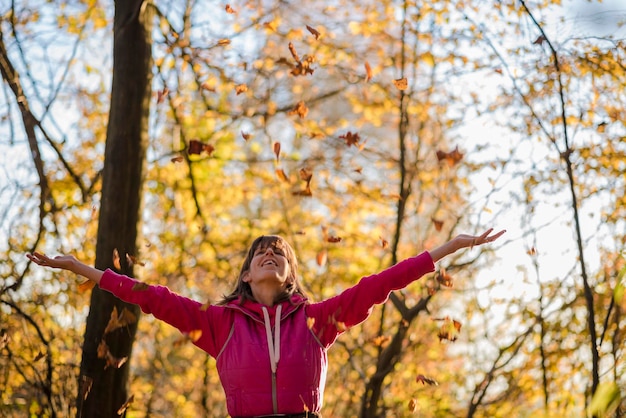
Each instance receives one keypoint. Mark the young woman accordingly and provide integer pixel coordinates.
(268, 339)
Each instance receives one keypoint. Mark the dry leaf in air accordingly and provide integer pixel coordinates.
(401, 83)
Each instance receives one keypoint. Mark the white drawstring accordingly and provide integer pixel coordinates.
(273, 344)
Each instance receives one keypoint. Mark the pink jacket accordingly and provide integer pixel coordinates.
(271, 360)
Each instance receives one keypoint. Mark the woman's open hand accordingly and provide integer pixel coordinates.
(65, 262)
(464, 241)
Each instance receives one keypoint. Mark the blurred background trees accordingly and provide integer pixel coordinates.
(365, 133)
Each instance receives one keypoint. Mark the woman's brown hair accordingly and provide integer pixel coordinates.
(243, 291)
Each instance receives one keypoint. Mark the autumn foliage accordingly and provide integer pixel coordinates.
(364, 133)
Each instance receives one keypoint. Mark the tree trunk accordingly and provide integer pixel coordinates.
(122, 179)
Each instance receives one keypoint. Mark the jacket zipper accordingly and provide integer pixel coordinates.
(274, 397)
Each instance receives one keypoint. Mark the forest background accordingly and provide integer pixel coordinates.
(364, 132)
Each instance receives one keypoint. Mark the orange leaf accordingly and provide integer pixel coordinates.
(401, 83)
(301, 110)
(116, 259)
(223, 42)
(351, 138)
(314, 32)
(449, 329)
(306, 192)
(332, 239)
(277, 150)
(426, 380)
(444, 278)
(126, 404)
(241, 88)
(191, 336)
(384, 243)
(381, 340)
(306, 174)
(178, 159)
(116, 321)
(438, 224)
(321, 258)
(281, 175)
(368, 71)
(246, 136)
(310, 322)
(230, 10)
(85, 386)
(412, 405)
(162, 94)
(197, 147)
(452, 158)
(86, 285)
(132, 260)
(140, 287)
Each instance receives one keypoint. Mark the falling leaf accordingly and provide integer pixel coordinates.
(277, 150)
(208, 86)
(301, 110)
(110, 359)
(350, 138)
(126, 404)
(191, 336)
(306, 174)
(540, 40)
(449, 329)
(246, 136)
(452, 158)
(384, 243)
(230, 10)
(39, 356)
(85, 386)
(438, 224)
(381, 340)
(321, 258)
(282, 175)
(116, 321)
(333, 239)
(197, 147)
(116, 259)
(306, 192)
(368, 71)
(178, 159)
(223, 42)
(162, 94)
(310, 322)
(241, 88)
(294, 53)
(132, 260)
(444, 278)
(140, 287)
(532, 251)
(314, 32)
(401, 83)
(420, 378)
(86, 285)
(303, 66)
(412, 405)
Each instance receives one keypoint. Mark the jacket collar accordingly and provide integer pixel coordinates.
(255, 310)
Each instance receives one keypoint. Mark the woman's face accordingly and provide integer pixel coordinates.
(269, 264)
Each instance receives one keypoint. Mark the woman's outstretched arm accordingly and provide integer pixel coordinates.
(69, 263)
(463, 241)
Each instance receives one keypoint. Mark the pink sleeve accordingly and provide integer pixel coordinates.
(352, 306)
(182, 313)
